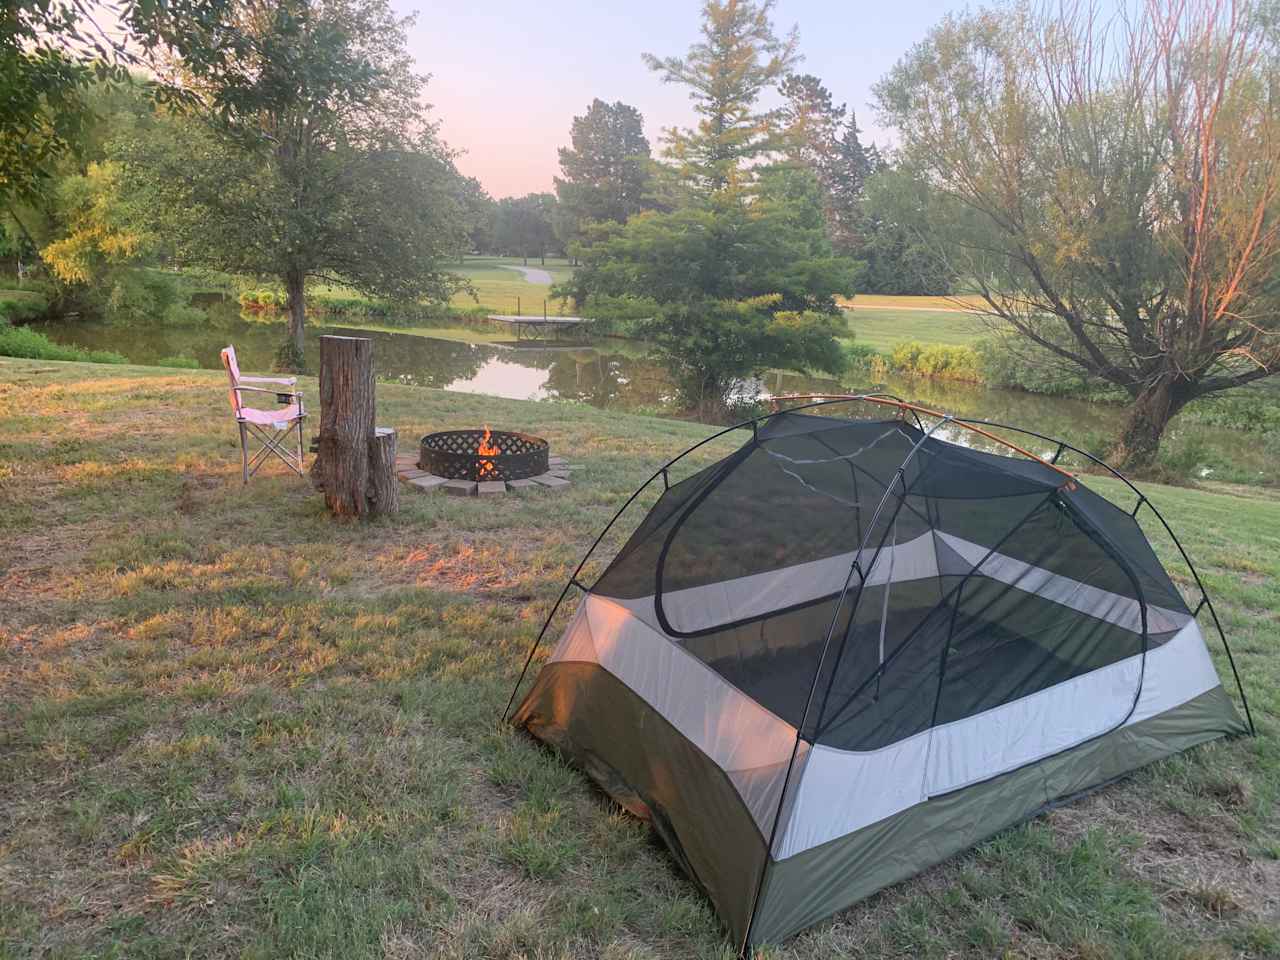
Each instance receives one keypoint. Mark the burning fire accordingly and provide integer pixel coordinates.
(486, 449)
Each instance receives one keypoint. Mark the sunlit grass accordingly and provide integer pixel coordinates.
(503, 289)
(884, 324)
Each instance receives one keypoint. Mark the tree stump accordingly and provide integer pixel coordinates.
(350, 466)
(384, 486)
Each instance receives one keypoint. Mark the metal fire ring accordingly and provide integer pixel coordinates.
(454, 454)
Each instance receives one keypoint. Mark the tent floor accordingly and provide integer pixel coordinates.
(996, 666)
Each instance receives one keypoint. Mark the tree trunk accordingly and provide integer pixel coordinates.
(1148, 416)
(384, 486)
(290, 357)
(341, 467)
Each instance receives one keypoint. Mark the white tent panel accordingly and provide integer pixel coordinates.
(1124, 612)
(744, 598)
(842, 790)
(750, 743)
(707, 607)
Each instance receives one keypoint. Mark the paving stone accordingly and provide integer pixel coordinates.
(459, 488)
(489, 488)
(555, 460)
(562, 472)
(521, 484)
(411, 473)
(427, 481)
(550, 480)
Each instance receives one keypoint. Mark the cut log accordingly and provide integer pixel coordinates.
(341, 467)
(384, 486)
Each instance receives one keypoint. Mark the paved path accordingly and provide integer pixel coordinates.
(855, 307)
(532, 274)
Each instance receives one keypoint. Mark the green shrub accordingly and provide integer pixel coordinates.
(860, 356)
(19, 306)
(142, 295)
(1244, 409)
(1018, 365)
(904, 356)
(184, 362)
(266, 300)
(937, 360)
(184, 315)
(34, 345)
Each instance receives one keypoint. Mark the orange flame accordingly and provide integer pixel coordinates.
(486, 449)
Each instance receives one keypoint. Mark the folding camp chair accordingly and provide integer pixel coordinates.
(271, 428)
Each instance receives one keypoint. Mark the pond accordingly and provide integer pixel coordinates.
(616, 374)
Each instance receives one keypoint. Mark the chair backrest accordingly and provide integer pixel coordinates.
(230, 362)
(233, 376)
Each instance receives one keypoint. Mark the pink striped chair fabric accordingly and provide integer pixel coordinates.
(271, 428)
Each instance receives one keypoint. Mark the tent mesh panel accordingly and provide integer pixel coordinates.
(980, 580)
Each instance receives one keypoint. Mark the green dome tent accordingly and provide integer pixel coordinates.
(854, 647)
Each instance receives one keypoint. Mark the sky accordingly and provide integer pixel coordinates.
(508, 77)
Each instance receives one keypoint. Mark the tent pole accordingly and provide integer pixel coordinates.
(572, 579)
(899, 477)
(971, 425)
(1206, 601)
(1143, 499)
(938, 606)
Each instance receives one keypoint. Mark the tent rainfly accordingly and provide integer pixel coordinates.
(852, 648)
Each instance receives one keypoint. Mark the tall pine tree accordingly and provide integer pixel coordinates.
(823, 136)
(606, 170)
(737, 60)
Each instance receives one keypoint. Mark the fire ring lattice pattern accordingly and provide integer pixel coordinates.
(456, 455)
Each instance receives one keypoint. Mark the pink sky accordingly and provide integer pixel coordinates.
(508, 78)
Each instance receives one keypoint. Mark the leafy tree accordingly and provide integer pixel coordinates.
(478, 211)
(726, 290)
(51, 53)
(313, 160)
(738, 59)
(95, 230)
(79, 224)
(899, 256)
(525, 226)
(606, 171)
(741, 276)
(1123, 181)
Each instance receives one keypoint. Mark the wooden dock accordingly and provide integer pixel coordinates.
(542, 328)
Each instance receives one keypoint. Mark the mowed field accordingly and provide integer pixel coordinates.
(883, 322)
(233, 727)
(500, 287)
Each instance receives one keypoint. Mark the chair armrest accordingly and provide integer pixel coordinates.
(287, 381)
(293, 394)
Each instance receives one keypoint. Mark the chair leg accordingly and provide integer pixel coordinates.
(244, 455)
(275, 444)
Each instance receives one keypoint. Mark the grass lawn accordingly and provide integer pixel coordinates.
(498, 286)
(232, 727)
(885, 324)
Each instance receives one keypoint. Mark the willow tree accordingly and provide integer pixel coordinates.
(1110, 187)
